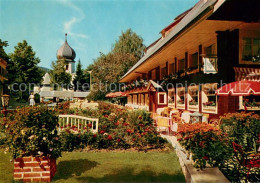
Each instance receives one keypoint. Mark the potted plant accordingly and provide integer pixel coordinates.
(34, 143)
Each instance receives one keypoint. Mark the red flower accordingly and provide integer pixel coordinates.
(141, 125)
(90, 125)
(95, 135)
(106, 116)
(117, 123)
(140, 117)
(179, 139)
(134, 139)
(129, 131)
(118, 140)
(205, 157)
(202, 144)
(109, 137)
(102, 132)
(125, 124)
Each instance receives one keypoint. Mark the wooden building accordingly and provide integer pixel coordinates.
(214, 42)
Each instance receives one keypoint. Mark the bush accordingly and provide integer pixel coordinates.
(32, 131)
(206, 143)
(242, 128)
(118, 129)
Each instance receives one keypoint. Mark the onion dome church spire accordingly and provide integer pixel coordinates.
(66, 52)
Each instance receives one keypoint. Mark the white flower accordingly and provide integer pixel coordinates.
(44, 138)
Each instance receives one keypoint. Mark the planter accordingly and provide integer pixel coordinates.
(34, 169)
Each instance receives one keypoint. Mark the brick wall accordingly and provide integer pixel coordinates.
(34, 169)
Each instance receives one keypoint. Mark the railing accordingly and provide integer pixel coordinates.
(78, 122)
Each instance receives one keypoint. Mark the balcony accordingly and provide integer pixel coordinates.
(210, 65)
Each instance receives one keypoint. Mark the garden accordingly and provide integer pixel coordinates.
(232, 146)
(126, 148)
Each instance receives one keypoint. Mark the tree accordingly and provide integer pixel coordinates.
(23, 68)
(59, 75)
(5, 57)
(109, 68)
(80, 78)
(25, 63)
(129, 43)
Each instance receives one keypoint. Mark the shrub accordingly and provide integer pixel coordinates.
(31, 131)
(242, 128)
(206, 143)
(118, 129)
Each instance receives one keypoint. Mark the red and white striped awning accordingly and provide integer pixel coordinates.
(250, 74)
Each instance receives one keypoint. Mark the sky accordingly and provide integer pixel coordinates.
(92, 25)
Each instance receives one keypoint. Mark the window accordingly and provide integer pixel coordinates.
(171, 97)
(172, 68)
(251, 49)
(163, 72)
(180, 98)
(134, 99)
(162, 98)
(211, 50)
(193, 98)
(181, 65)
(209, 99)
(146, 99)
(249, 102)
(129, 99)
(194, 60)
(142, 99)
(154, 74)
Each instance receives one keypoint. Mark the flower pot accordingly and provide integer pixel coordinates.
(34, 169)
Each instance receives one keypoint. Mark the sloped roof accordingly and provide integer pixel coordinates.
(197, 10)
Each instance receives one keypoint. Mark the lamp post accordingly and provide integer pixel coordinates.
(5, 103)
(90, 80)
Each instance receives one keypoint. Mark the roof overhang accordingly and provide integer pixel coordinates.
(200, 9)
(237, 10)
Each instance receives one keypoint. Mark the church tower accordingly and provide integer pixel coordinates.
(65, 52)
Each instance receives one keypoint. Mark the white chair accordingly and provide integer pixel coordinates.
(185, 116)
(159, 110)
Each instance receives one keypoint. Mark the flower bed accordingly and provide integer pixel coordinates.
(33, 140)
(206, 143)
(118, 129)
(213, 145)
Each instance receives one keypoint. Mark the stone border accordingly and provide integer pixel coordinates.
(193, 175)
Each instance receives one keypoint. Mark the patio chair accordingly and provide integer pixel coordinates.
(245, 159)
(163, 124)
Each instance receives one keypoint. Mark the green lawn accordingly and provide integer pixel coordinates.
(109, 167)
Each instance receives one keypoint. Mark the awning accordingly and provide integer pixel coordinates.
(251, 74)
(116, 94)
(239, 88)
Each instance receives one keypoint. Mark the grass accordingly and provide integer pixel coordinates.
(76, 167)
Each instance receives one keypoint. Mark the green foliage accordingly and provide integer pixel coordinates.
(59, 75)
(206, 143)
(32, 131)
(24, 62)
(109, 68)
(118, 129)
(242, 128)
(80, 79)
(3, 54)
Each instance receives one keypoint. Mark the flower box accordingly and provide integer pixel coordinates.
(34, 169)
